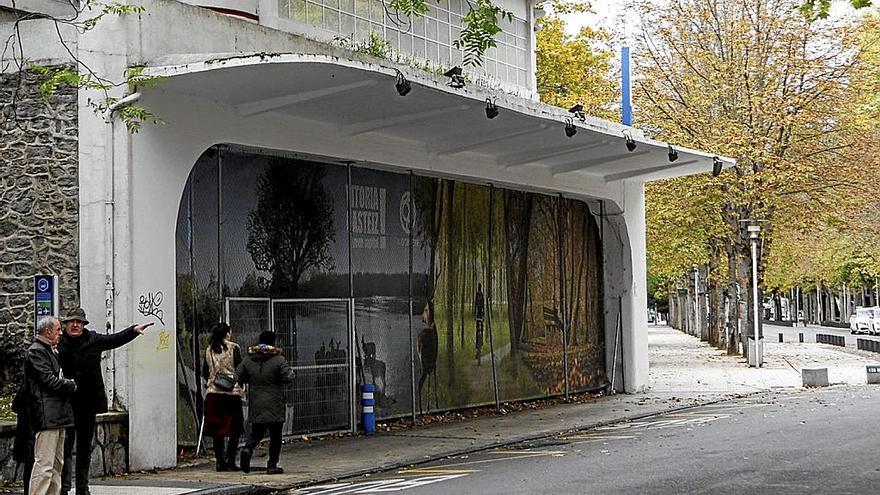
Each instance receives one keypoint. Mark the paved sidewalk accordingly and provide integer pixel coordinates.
(684, 373)
(680, 362)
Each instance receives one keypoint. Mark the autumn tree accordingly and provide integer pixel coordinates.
(841, 243)
(575, 68)
(755, 80)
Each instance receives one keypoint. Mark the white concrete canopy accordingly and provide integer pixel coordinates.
(360, 98)
(347, 110)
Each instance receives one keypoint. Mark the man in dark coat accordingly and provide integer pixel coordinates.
(265, 371)
(79, 352)
(48, 406)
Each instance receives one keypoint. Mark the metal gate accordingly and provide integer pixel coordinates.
(317, 340)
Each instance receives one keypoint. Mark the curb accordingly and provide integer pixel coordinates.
(237, 490)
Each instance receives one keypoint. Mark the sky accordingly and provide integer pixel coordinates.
(605, 13)
(611, 14)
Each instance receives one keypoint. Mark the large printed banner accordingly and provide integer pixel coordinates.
(445, 277)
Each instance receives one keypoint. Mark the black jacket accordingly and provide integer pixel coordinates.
(80, 358)
(49, 405)
(23, 445)
(266, 372)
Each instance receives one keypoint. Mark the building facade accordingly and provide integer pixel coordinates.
(292, 188)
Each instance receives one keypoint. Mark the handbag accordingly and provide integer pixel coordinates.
(224, 381)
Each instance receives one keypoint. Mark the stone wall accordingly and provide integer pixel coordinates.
(39, 199)
(109, 448)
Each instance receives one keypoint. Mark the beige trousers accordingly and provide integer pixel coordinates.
(48, 460)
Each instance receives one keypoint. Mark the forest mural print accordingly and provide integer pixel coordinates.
(442, 293)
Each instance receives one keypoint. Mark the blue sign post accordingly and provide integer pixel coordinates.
(626, 110)
(45, 296)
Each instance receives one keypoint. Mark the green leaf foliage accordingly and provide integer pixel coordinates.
(481, 24)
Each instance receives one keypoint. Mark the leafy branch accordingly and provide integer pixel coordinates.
(78, 74)
(480, 24)
(821, 9)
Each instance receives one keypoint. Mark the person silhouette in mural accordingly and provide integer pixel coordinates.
(320, 354)
(479, 307)
(321, 376)
(375, 367)
(338, 357)
(427, 342)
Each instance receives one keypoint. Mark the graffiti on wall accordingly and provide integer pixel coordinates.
(150, 304)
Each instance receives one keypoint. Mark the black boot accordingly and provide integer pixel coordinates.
(245, 460)
(231, 450)
(219, 454)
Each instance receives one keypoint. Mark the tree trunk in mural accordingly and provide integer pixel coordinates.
(451, 242)
(578, 283)
(464, 238)
(517, 221)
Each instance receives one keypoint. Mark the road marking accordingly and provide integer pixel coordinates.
(376, 486)
(429, 470)
(526, 453)
(597, 437)
(665, 423)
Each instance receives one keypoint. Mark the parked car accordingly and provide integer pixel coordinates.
(862, 321)
(875, 321)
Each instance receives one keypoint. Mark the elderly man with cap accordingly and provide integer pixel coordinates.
(79, 352)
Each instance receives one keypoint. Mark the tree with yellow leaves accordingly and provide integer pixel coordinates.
(575, 68)
(758, 81)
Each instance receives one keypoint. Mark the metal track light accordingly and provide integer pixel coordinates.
(402, 85)
(673, 155)
(578, 111)
(570, 129)
(456, 78)
(717, 165)
(630, 142)
(491, 108)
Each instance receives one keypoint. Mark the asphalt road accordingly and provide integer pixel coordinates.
(791, 334)
(796, 442)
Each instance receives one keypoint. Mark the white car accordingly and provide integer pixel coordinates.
(862, 321)
(875, 321)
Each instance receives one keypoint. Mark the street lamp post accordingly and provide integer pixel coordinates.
(697, 328)
(756, 357)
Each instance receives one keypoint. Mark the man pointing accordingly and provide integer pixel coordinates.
(79, 352)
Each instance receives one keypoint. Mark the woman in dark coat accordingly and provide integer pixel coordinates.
(224, 421)
(265, 371)
(23, 445)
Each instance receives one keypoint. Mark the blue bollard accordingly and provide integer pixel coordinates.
(368, 401)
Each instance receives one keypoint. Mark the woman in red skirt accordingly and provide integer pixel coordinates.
(224, 421)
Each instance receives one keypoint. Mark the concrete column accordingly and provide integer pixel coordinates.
(128, 249)
(103, 202)
(626, 291)
(635, 317)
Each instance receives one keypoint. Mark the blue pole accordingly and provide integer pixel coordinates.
(625, 88)
(368, 402)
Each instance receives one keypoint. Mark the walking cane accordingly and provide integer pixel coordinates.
(201, 432)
